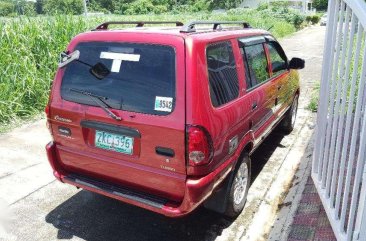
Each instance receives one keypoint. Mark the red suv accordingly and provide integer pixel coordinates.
(165, 118)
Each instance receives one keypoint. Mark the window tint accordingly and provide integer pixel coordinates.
(137, 84)
(278, 58)
(257, 64)
(223, 77)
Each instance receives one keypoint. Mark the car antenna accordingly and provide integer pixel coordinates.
(270, 28)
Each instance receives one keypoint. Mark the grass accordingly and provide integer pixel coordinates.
(314, 98)
(30, 48)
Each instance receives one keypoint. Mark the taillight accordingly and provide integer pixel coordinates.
(199, 146)
(47, 112)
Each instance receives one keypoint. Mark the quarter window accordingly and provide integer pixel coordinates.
(257, 64)
(222, 73)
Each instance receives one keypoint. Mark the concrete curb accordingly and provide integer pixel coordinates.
(287, 212)
(276, 193)
(269, 189)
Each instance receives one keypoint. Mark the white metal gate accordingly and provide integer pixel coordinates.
(339, 155)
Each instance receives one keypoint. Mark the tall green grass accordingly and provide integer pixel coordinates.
(29, 50)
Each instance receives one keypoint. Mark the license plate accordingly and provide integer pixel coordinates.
(113, 142)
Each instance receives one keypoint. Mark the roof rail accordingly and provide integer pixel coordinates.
(191, 26)
(104, 26)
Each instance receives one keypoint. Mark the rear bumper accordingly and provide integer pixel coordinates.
(197, 190)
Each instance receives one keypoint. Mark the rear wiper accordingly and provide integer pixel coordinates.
(96, 99)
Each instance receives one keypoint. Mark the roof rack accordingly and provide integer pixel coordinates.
(104, 26)
(191, 26)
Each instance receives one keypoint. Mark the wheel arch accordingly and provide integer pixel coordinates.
(218, 201)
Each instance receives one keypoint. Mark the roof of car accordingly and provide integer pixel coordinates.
(194, 29)
(200, 33)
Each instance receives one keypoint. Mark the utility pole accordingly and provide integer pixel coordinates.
(85, 8)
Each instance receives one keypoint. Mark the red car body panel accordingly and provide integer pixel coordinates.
(182, 186)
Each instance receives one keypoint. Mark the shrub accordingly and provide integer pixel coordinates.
(314, 101)
(52, 7)
(20, 7)
(320, 4)
(263, 6)
(226, 4)
(182, 8)
(200, 5)
(27, 8)
(140, 7)
(294, 17)
(160, 9)
(277, 5)
(315, 19)
(6, 9)
(95, 7)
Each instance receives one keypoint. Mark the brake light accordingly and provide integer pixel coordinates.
(48, 115)
(199, 146)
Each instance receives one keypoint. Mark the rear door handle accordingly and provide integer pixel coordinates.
(163, 151)
(254, 105)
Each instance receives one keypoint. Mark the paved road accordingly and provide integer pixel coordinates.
(44, 209)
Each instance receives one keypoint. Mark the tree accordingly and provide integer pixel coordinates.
(19, 7)
(7, 8)
(226, 4)
(26, 7)
(320, 4)
(63, 6)
(39, 6)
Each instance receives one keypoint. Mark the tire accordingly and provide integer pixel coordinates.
(239, 188)
(288, 122)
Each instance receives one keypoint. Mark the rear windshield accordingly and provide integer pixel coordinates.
(142, 80)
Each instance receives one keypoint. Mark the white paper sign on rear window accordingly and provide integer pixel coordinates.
(163, 104)
(118, 58)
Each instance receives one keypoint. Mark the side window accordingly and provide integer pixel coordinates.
(222, 73)
(278, 58)
(247, 76)
(257, 64)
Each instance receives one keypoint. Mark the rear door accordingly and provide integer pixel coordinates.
(145, 150)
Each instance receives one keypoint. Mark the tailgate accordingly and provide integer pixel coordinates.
(145, 150)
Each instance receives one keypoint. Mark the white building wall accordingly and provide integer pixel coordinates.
(256, 3)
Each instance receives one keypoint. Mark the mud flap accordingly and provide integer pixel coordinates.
(217, 202)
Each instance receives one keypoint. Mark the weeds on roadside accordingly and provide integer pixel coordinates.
(314, 98)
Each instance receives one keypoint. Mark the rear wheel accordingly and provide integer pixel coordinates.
(288, 122)
(239, 187)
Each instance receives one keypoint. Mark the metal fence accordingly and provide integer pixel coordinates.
(339, 157)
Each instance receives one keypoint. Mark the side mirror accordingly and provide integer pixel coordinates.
(296, 63)
(278, 66)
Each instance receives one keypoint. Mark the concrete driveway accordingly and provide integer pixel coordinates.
(34, 206)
